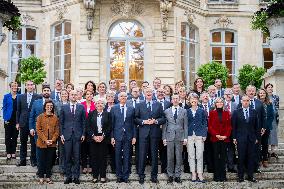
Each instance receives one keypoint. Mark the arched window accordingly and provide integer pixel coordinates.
(61, 55)
(223, 49)
(126, 52)
(22, 44)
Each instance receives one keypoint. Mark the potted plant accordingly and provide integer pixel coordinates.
(212, 71)
(9, 18)
(250, 75)
(270, 21)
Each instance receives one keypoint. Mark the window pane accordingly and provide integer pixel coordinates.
(30, 34)
(127, 29)
(216, 37)
(183, 30)
(67, 76)
(57, 66)
(117, 61)
(17, 35)
(217, 53)
(230, 66)
(230, 53)
(67, 46)
(191, 50)
(30, 50)
(192, 34)
(267, 65)
(183, 47)
(16, 51)
(229, 37)
(57, 48)
(67, 61)
(183, 69)
(57, 75)
(58, 30)
(67, 28)
(267, 54)
(136, 62)
(15, 65)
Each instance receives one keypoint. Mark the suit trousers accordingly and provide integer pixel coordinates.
(11, 135)
(24, 135)
(230, 155)
(174, 153)
(111, 156)
(85, 153)
(220, 150)
(246, 154)
(98, 158)
(163, 156)
(45, 159)
(61, 155)
(197, 142)
(264, 145)
(208, 154)
(72, 157)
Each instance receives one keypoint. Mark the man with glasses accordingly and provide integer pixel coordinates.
(55, 95)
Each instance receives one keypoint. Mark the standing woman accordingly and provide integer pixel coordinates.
(197, 132)
(168, 92)
(47, 128)
(110, 96)
(9, 115)
(102, 89)
(89, 106)
(273, 138)
(219, 127)
(262, 95)
(69, 87)
(198, 86)
(91, 86)
(98, 127)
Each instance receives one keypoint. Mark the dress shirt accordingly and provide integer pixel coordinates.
(230, 106)
(151, 103)
(237, 98)
(174, 110)
(244, 111)
(99, 122)
(71, 107)
(124, 113)
(193, 112)
(252, 103)
(162, 102)
(134, 103)
(206, 108)
(29, 98)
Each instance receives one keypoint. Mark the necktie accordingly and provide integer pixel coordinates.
(205, 108)
(251, 104)
(247, 116)
(57, 96)
(149, 107)
(122, 111)
(219, 94)
(134, 104)
(162, 102)
(175, 115)
(211, 102)
(228, 107)
(73, 109)
(29, 99)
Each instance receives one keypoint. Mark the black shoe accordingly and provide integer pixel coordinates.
(119, 180)
(33, 164)
(210, 170)
(177, 180)
(126, 181)
(68, 180)
(252, 180)
(76, 181)
(257, 171)
(241, 180)
(154, 180)
(141, 180)
(186, 170)
(21, 163)
(232, 171)
(170, 180)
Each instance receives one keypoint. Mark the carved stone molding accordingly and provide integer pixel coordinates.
(190, 15)
(127, 8)
(90, 7)
(26, 19)
(61, 11)
(223, 21)
(165, 8)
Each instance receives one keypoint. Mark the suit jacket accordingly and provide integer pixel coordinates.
(23, 110)
(92, 107)
(243, 131)
(217, 127)
(129, 102)
(142, 113)
(261, 113)
(8, 106)
(234, 100)
(221, 91)
(92, 127)
(72, 123)
(121, 126)
(198, 123)
(233, 107)
(175, 130)
(166, 104)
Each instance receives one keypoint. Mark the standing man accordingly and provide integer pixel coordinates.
(144, 86)
(220, 90)
(24, 106)
(156, 84)
(212, 94)
(123, 136)
(55, 95)
(132, 84)
(149, 116)
(246, 134)
(236, 93)
(72, 128)
(174, 137)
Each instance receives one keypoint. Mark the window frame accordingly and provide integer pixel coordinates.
(266, 46)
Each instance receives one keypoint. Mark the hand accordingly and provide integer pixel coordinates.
(262, 131)
(49, 142)
(146, 122)
(235, 141)
(133, 141)
(223, 137)
(165, 142)
(62, 139)
(218, 136)
(203, 138)
(18, 126)
(32, 132)
(154, 121)
(100, 138)
(256, 141)
(112, 142)
(184, 141)
(82, 138)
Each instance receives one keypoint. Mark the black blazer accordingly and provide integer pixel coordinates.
(243, 131)
(92, 128)
(23, 111)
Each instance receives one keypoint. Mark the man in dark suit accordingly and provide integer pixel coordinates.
(246, 134)
(55, 95)
(72, 128)
(149, 116)
(220, 90)
(162, 148)
(123, 136)
(24, 105)
(236, 93)
(144, 85)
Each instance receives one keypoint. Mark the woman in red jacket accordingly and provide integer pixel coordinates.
(219, 127)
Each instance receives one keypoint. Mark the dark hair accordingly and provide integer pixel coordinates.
(70, 85)
(132, 80)
(267, 85)
(47, 102)
(145, 82)
(194, 87)
(94, 86)
(11, 83)
(45, 86)
(266, 100)
(171, 89)
(85, 92)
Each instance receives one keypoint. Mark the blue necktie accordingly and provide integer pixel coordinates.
(247, 115)
(149, 107)
(251, 104)
(219, 94)
(175, 115)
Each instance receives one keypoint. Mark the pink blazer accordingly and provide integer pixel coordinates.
(92, 107)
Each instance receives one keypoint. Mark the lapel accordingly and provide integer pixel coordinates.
(179, 113)
(242, 114)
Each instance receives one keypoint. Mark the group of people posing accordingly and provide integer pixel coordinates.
(190, 131)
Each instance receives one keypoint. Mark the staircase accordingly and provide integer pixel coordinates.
(12, 176)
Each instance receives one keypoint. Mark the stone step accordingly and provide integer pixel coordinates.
(3, 146)
(4, 154)
(147, 184)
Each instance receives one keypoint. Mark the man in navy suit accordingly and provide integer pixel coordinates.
(55, 95)
(246, 134)
(144, 85)
(220, 90)
(72, 128)
(24, 106)
(236, 93)
(149, 116)
(123, 135)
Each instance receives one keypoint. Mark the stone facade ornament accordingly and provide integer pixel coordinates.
(90, 7)
(127, 8)
(223, 21)
(165, 8)
(26, 18)
(190, 16)
(61, 11)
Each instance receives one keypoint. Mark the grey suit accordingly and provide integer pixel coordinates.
(174, 132)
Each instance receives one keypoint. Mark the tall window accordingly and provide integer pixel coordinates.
(267, 55)
(61, 42)
(188, 53)
(126, 52)
(23, 43)
(223, 49)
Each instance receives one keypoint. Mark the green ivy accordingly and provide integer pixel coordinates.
(14, 23)
(251, 75)
(212, 71)
(32, 68)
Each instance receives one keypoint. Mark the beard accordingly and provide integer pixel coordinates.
(46, 95)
